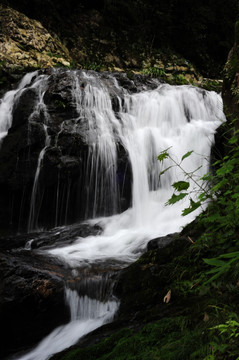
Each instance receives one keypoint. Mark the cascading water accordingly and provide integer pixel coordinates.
(86, 315)
(7, 103)
(93, 104)
(181, 118)
(39, 109)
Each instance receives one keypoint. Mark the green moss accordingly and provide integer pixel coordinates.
(167, 339)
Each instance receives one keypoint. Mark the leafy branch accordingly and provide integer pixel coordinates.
(221, 219)
(182, 186)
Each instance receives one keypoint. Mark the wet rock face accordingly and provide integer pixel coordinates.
(143, 285)
(32, 298)
(47, 113)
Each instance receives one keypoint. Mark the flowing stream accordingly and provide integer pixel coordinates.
(178, 118)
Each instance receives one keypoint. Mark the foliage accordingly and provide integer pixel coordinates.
(185, 185)
(154, 72)
(225, 340)
(92, 66)
(221, 190)
(180, 79)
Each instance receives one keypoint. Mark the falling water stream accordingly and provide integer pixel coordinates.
(178, 118)
(6, 105)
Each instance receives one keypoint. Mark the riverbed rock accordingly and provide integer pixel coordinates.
(142, 284)
(59, 236)
(32, 298)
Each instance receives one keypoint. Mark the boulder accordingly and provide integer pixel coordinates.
(32, 298)
(143, 284)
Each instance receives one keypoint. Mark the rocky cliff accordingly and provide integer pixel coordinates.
(26, 45)
(83, 36)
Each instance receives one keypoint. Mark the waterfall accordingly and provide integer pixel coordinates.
(86, 315)
(8, 101)
(93, 104)
(39, 111)
(181, 118)
(178, 118)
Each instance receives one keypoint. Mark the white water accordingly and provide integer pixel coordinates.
(7, 103)
(93, 104)
(86, 315)
(40, 108)
(180, 118)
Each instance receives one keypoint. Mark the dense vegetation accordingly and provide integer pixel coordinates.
(202, 33)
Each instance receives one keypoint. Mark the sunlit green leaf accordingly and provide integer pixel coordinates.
(165, 170)
(181, 185)
(186, 155)
(193, 206)
(164, 155)
(175, 198)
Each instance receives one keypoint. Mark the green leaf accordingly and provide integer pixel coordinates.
(186, 155)
(233, 140)
(206, 177)
(230, 255)
(217, 275)
(175, 198)
(193, 206)
(165, 170)
(163, 155)
(181, 185)
(215, 270)
(215, 262)
(203, 196)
